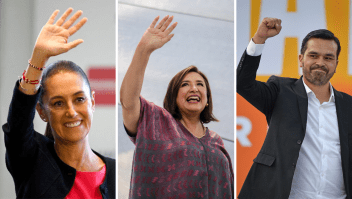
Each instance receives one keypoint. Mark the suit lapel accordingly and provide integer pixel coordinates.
(302, 100)
(343, 112)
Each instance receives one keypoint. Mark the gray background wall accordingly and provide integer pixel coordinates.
(20, 23)
(204, 37)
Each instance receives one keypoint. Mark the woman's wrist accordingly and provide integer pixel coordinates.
(141, 49)
(39, 58)
(30, 79)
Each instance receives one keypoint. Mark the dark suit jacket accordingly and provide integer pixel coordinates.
(284, 102)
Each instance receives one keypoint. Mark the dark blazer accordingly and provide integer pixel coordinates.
(31, 159)
(284, 102)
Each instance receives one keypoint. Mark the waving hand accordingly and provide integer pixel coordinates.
(157, 35)
(53, 38)
(153, 38)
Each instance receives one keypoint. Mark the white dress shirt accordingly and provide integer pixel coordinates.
(318, 174)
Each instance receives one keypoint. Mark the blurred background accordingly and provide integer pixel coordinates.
(204, 37)
(20, 24)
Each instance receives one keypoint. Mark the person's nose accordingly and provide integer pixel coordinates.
(194, 87)
(71, 111)
(320, 61)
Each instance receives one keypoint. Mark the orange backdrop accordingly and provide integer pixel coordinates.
(337, 20)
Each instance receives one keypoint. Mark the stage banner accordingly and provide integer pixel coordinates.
(280, 57)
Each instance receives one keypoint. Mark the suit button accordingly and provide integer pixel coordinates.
(294, 165)
(299, 142)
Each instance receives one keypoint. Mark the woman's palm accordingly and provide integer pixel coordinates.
(156, 36)
(53, 38)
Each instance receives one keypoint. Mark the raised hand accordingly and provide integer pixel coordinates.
(156, 36)
(269, 27)
(53, 38)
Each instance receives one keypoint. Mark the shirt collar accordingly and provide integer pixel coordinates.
(332, 95)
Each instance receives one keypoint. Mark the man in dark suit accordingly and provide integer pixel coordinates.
(306, 151)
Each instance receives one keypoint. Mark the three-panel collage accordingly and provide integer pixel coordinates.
(135, 99)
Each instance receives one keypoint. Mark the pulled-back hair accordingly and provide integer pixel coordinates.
(170, 104)
(321, 34)
(52, 69)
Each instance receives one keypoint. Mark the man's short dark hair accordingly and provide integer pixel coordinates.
(321, 34)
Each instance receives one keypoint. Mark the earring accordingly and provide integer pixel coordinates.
(207, 105)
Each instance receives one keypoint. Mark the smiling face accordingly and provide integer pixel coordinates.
(67, 106)
(319, 61)
(192, 94)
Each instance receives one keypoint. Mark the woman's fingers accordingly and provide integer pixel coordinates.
(72, 20)
(154, 22)
(76, 27)
(171, 28)
(161, 23)
(64, 16)
(52, 17)
(168, 38)
(167, 23)
(74, 43)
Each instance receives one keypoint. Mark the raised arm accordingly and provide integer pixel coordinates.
(259, 94)
(153, 38)
(269, 27)
(52, 41)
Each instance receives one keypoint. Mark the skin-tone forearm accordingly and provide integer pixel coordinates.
(132, 82)
(131, 88)
(33, 73)
(154, 37)
(258, 40)
(51, 41)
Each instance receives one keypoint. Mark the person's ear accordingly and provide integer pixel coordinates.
(41, 112)
(93, 101)
(300, 57)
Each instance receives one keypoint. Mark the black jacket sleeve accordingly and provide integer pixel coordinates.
(261, 95)
(19, 134)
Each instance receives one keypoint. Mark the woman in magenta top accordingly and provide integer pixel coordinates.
(60, 164)
(175, 155)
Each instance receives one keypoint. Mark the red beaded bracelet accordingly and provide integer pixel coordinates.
(34, 89)
(29, 62)
(29, 81)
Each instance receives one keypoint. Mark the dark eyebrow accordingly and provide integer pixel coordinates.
(59, 97)
(315, 53)
(330, 55)
(196, 81)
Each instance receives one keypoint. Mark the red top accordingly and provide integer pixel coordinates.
(87, 184)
